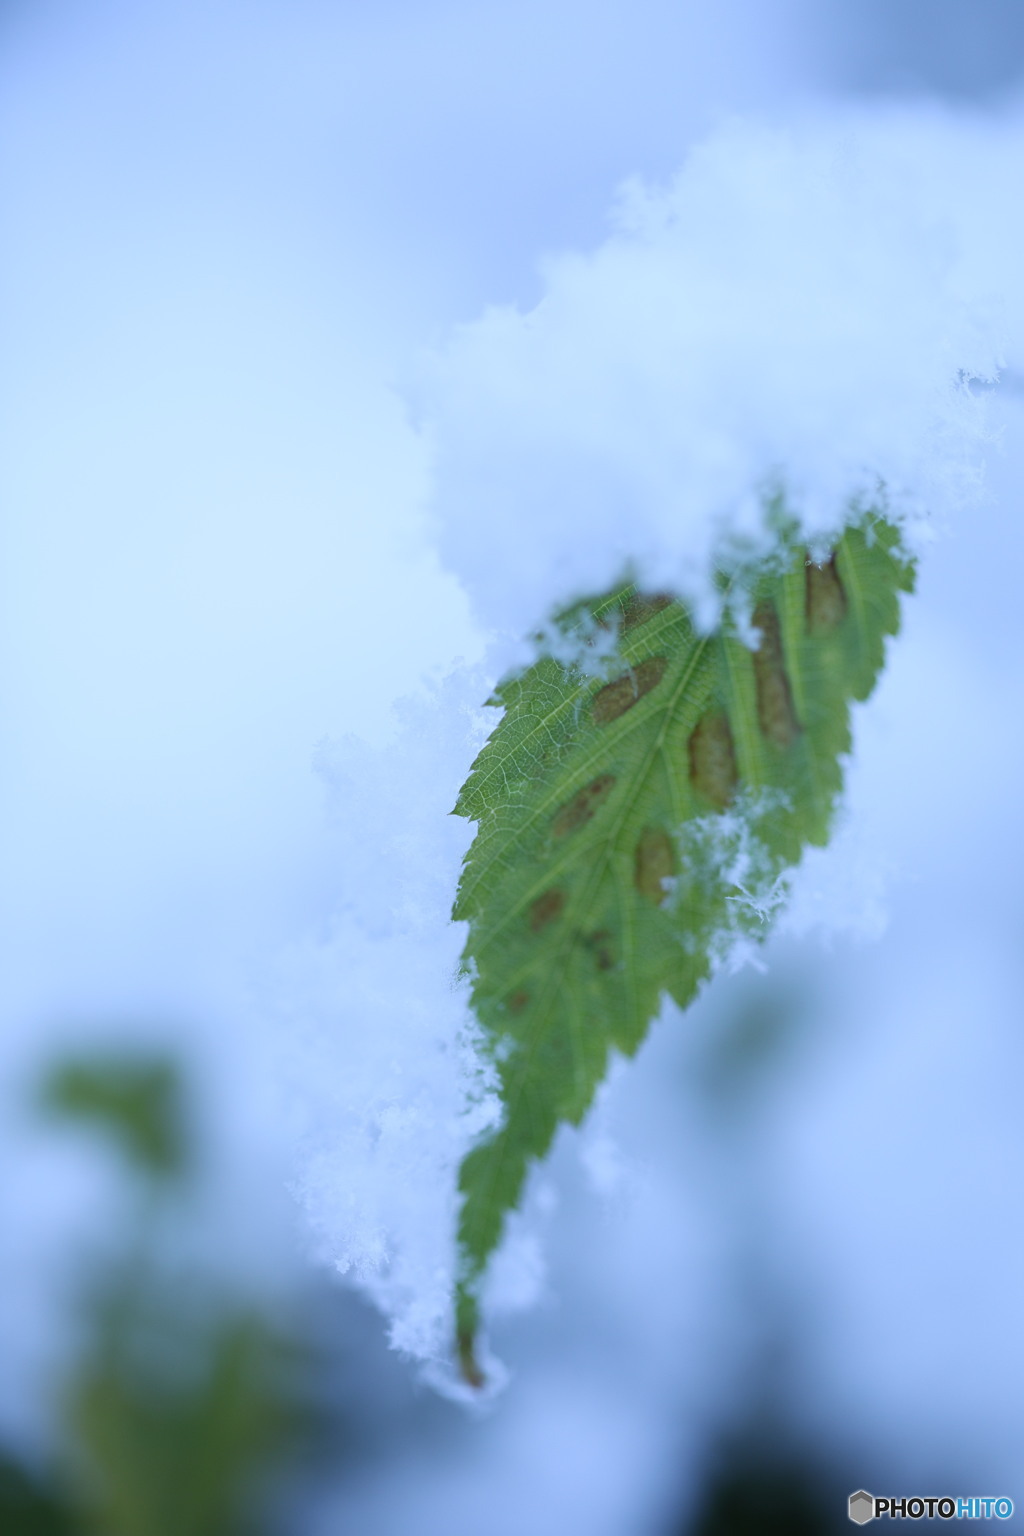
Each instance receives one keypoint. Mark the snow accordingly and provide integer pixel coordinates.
(800, 309)
(373, 1037)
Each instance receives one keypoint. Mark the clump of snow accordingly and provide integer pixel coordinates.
(382, 1088)
(802, 309)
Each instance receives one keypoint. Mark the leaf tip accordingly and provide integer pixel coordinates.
(469, 1367)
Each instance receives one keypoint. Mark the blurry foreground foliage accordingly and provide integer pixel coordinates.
(180, 1407)
(138, 1103)
(190, 1414)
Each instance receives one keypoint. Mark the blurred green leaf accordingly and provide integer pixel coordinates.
(181, 1400)
(29, 1509)
(139, 1103)
(173, 1418)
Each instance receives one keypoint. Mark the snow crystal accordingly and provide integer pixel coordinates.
(799, 309)
(380, 1083)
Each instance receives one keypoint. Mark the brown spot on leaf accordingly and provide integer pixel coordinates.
(600, 946)
(655, 862)
(643, 606)
(826, 599)
(546, 908)
(713, 759)
(614, 699)
(775, 713)
(518, 1001)
(575, 812)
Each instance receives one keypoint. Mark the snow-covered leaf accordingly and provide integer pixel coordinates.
(633, 825)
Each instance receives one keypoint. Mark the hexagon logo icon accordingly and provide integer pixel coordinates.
(862, 1507)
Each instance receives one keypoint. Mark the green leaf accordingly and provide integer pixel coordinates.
(136, 1102)
(632, 826)
(177, 1412)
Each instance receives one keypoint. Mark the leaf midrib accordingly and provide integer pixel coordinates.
(656, 626)
(556, 971)
(556, 794)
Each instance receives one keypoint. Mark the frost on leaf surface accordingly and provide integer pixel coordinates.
(632, 825)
